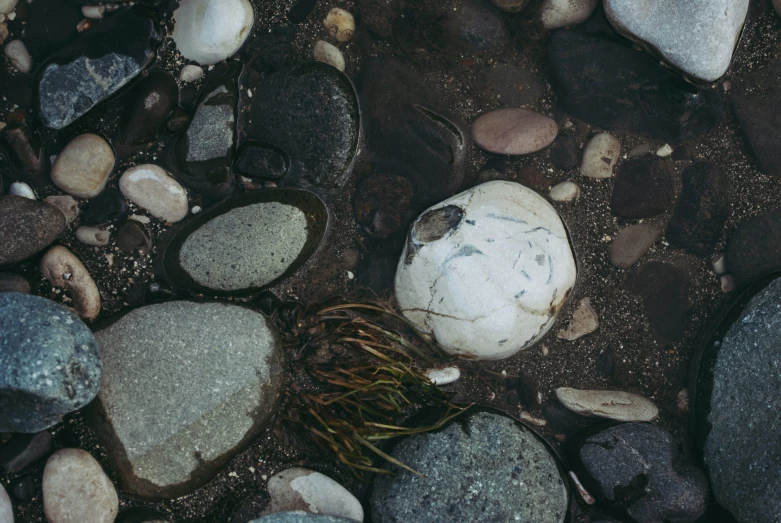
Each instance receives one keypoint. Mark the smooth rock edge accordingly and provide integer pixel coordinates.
(611, 404)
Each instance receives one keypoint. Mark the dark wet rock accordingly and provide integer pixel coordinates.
(26, 148)
(134, 237)
(565, 152)
(301, 10)
(754, 249)
(23, 489)
(238, 355)
(736, 407)
(474, 25)
(664, 290)
(310, 112)
(377, 16)
(249, 509)
(19, 90)
(274, 50)
(49, 363)
(102, 60)
(51, 25)
(472, 471)
(26, 227)
(149, 104)
(605, 82)
(533, 178)
(752, 98)
(258, 160)
(409, 132)
(141, 515)
(376, 273)
(512, 85)
(637, 469)
(382, 202)
(178, 121)
(204, 153)
(564, 421)
(644, 188)
(702, 210)
(23, 450)
(248, 242)
(104, 208)
(631, 243)
(13, 283)
(683, 152)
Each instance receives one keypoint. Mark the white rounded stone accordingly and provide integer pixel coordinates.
(720, 265)
(485, 272)
(664, 150)
(16, 51)
(329, 54)
(22, 189)
(340, 24)
(302, 489)
(150, 187)
(76, 490)
(600, 156)
(7, 6)
(92, 235)
(209, 31)
(610, 404)
(191, 73)
(83, 166)
(94, 12)
(443, 376)
(565, 192)
(561, 13)
(63, 269)
(6, 509)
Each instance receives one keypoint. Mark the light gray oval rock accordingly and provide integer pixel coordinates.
(63, 269)
(7, 6)
(20, 58)
(215, 382)
(150, 187)
(6, 509)
(600, 156)
(565, 192)
(83, 166)
(514, 131)
(303, 489)
(49, 363)
(92, 235)
(76, 490)
(561, 13)
(482, 467)
(632, 242)
(209, 31)
(611, 404)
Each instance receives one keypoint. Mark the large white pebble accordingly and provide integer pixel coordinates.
(486, 272)
(600, 156)
(209, 31)
(561, 13)
(328, 54)
(83, 166)
(16, 51)
(6, 509)
(76, 490)
(154, 190)
(340, 24)
(63, 269)
(302, 489)
(610, 404)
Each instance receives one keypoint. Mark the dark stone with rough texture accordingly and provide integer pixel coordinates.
(26, 227)
(754, 249)
(310, 111)
(702, 210)
(638, 469)
(301, 10)
(377, 16)
(381, 204)
(737, 408)
(643, 188)
(474, 25)
(13, 283)
(49, 363)
(133, 236)
(178, 121)
(411, 133)
(664, 289)
(23, 489)
(51, 25)
(141, 515)
(261, 160)
(23, 450)
(602, 80)
(565, 152)
(753, 98)
(104, 208)
(149, 104)
(512, 85)
(78, 77)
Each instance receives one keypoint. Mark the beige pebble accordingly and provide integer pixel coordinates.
(340, 24)
(600, 156)
(16, 51)
(328, 54)
(565, 192)
(610, 404)
(63, 269)
(76, 490)
(584, 321)
(92, 236)
(150, 187)
(83, 166)
(514, 131)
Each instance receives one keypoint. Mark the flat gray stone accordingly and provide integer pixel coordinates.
(482, 467)
(185, 386)
(696, 36)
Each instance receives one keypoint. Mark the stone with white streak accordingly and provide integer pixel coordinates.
(696, 36)
(302, 489)
(154, 190)
(561, 13)
(485, 272)
(76, 490)
(209, 31)
(611, 404)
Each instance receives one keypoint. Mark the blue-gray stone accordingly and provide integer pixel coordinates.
(300, 517)
(49, 363)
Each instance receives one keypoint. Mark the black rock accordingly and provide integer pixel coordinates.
(104, 208)
(752, 98)
(133, 236)
(474, 25)
(377, 16)
(148, 105)
(102, 60)
(376, 272)
(19, 91)
(382, 202)
(260, 160)
(602, 80)
(565, 152)
(50, 26)
(683, 152)
(701, 211)
(512, 85)
(250, 509)
(141, 515)
(664, 289)
(409, 132)
(637, 469)
(23, 450)
(754, 249)
(23, 489)
(643, 188)
(274, 50)
(178, 121)
(26, 227)
(26, 150)
(13, 283)
(309, 111)
(564, 421)
(49, 363)
(301, 10)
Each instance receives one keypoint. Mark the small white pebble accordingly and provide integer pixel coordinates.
(93, 11)
(664, 150)
(190, 73)
(140, 218)
(196, 209)
(720, 265)
(727, 284)
(340, 24)
(350, 275)
(565, 192)
(443, 376)
(16, 51)
(22, 189)
(110, 259)
(249, 93)
(12, 16)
